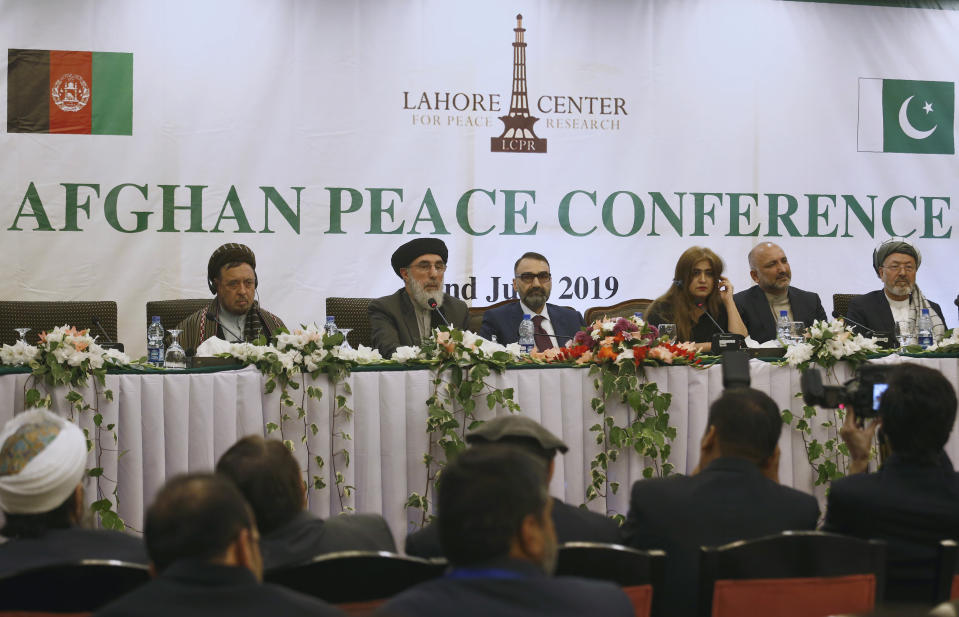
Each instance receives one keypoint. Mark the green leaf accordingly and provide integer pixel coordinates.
(787, 416)
(108, 394)
(97, 419)
(96, 472)
(271, 426)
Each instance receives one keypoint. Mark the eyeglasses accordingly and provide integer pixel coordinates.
(529, 277)
(907, 267)
(425, 266)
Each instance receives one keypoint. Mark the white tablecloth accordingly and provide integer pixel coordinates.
(169, 424)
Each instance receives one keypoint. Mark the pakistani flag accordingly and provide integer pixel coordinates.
(79, 92)
(901, 115)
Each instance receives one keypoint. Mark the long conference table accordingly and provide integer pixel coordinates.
(173, 423)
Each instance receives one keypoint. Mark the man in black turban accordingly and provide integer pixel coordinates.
(234, 314)
(899, 301)
(408, 316)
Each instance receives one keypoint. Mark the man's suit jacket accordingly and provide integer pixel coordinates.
(509, 588)
(504, 322)
(307, 536)
(760, 322)
(912, 507)
(74, 544)
(872, 310)
(393, 320)
(572, 525)
(728, 500)
(191, 588)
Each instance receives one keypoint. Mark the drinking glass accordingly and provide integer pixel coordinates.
(175, 355)
(344, 332)
(906, 332)
(669, 330)
(797, 332)
(22, 332)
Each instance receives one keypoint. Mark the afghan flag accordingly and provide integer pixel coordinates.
(81, 92)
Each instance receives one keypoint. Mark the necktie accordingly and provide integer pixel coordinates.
(543, 342)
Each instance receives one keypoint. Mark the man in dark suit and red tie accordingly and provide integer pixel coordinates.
(553, 325)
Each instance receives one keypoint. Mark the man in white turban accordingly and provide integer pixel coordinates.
(42, 459)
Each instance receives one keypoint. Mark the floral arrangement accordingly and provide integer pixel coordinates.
(64, 347)
(949, 343)
(620, 340)
(460, 347)
(828, 342)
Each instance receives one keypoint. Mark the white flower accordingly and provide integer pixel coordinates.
(406, 354)
(472, 340)
(18, 353)
(798, 353)
(514, 350)
(116, 357)
(626, 356)
(368, 355)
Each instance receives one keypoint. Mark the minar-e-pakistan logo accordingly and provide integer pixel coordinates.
(518, 135)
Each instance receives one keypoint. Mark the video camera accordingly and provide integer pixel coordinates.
(863, 392)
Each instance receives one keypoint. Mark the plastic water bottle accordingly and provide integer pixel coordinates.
(330, 328)
(783, 332)
(925, 329)
(155, 342)
(638, 315)
(526, 340)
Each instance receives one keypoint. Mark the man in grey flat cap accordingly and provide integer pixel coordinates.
(408, 316)
(572, 524)
(900, 300)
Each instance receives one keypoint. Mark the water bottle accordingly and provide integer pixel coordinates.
(925, 329)
(330, 328)
(526, 340)
(783, 333)
(155, 342)
(638, 315)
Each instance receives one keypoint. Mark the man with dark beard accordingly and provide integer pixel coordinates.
(406, 317)
(553, 325)
(759, 306)
(899, 301)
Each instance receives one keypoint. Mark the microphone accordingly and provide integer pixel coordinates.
(210, 316)
(436, 308)
(836, 315)
(715, 323)
(886, 340)
(110, 343)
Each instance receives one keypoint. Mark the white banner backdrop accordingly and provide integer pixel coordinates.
(326, 133)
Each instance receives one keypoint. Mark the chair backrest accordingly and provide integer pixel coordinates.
(639, 573)
(947, 572)
(172, 312)
(352, 313)
(44, 316)
(356, 576)
(626, 308)
(476, 315)
(840, 303)
(799, 573)
(70, 587)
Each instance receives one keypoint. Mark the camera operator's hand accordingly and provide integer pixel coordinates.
(858, 439)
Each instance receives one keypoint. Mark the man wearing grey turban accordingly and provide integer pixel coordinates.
(900, 300)
(42, 459)
(234, 314)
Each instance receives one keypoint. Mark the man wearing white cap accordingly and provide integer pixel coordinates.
(42, 459)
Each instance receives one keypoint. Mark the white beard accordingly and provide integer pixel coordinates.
(421, 297)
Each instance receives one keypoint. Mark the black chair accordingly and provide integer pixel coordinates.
(626, 308)
(840, 304)
(793, 573)
(476, 315)
(356, 576)
(44, 316)
(80, 586)
(947, 571)
(639, 573)
(172, 312)
(352, 313)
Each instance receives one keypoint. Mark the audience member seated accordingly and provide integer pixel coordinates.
(572, 524)
(204, 550)
(698, 288)
(497, 533)
(912, 501)
(733, 494)
(269, 477)
(42, 460)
